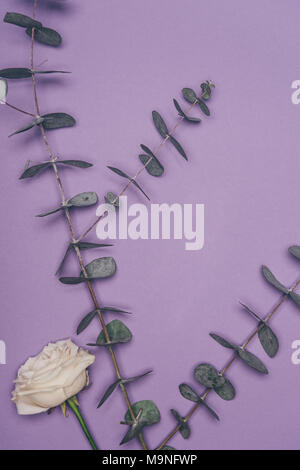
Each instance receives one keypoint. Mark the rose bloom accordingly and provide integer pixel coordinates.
(57, 373)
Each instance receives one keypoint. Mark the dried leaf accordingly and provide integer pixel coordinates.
(34, 170)
(86, 321)
(124, 175)
(21, 20)
(185, 116)
(118, 333)
(271, 279)
(295, 297)
(111, 198)
(150, 413)
(208, 376)
(14, 73)
(160, 124)
(57, 120)
(268, 339)
(188, 393)
(25, 128)
(50, 71)
(49, 212)
(206, 91)
(71, 280)
(136, 377)
(46, 36)
(90, 245)
(252, 361)
(203, 107)
(152, 165)
(100, 268)
(184, 427)
(210, 410)
(250, 311)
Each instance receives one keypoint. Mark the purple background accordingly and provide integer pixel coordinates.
(128, 58)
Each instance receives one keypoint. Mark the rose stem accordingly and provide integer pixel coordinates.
(85, 233)
(226, 367)
(80, 418)
(77, 250)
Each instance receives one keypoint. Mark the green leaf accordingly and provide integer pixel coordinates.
(14, 73)
(71, 280)
(160, 124)
(111, 198)
(252, 361)
(89, 245)
(177, 146)
(46, 36)
(226, 391)
(184, 427)
(203, 107)
(113, 309)
(34, 170)
(250, 311)
(208, 376)
(136, 377)
(150, 414)
(124, 175)
(189, 95)
(223, 342)
(101, 268)
(271, 279)
(108, 392)
(86, 199)
(21, 20)
(132, 432)
(295, 251)
(118, 333)
(268, 339)
(86, 321)
(185, 116)
(210, 410)
(167, 448)
(50, 71)
(295, 297)
(77, 163)
(49, 212)
(206, 91)
(57, 120)
(25, 128)
(64, 259)
(152, 165)
(188, 393)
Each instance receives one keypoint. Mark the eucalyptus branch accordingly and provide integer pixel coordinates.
(142, 168)
(203, 396)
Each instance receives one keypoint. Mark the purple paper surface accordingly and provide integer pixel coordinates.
(128, 58)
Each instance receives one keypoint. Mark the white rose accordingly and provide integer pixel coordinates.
(3, 91)
(48, 379)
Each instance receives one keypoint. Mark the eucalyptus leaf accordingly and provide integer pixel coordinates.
(295, 297)
(108, 392)
(271, 279)
(72, 280)
(76, 163)
(209, 409)
(189, 95)
(268, 339)
(124, 175)
(86, 321)
(90, 245)
(47, 36)
(44, 214)
(250, 311)
(111, 198)
(15, 73)
(204, 108)
(136, 377)
(132, 432)
(34, 170)
(25, 128)
(226, 391)
(21, 20)
(63, 259)
(113, 309)
(147, 150)
(184, 427)
(252, 361)
(49, 71)
(100, 268)
(206, 91)
(167, 448)
(208, 376)
(152, 165)
(223, 342)
(160, 124)
(295, 251)
(86, 199)
(150, 413)
(178, 146)
(3, 90)
(188, 393)
(118, 333)
(185, 116)
(58, 120)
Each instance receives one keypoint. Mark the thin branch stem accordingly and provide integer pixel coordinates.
(71, 229)
(162, 143)
(227, 366)
(17, 109)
